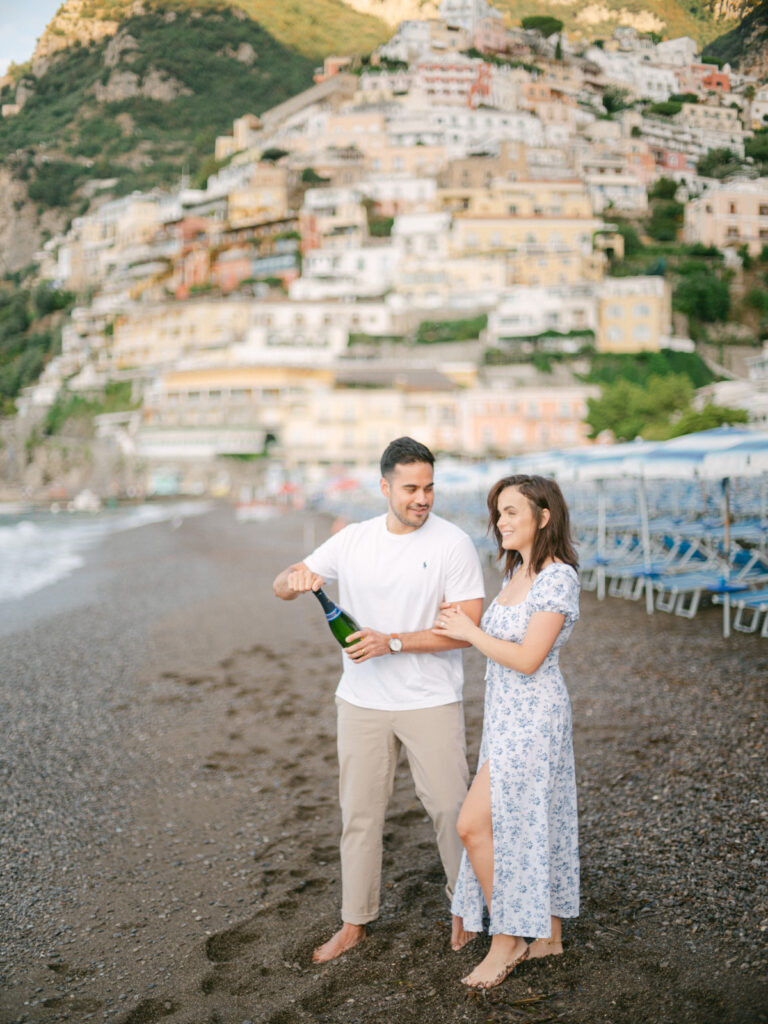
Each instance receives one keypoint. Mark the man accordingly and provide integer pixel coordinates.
(401, 685)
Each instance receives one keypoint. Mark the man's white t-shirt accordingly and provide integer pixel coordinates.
(394, 583)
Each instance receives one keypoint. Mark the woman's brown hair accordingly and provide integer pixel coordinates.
(553, 540)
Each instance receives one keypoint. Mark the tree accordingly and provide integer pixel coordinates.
(703, 297)
(542, 23)
(757, 146)
(630, 410)
(615, 99)
(663, 188)
(666, 218)
(707, 418)
(632, 243)
(718, 163)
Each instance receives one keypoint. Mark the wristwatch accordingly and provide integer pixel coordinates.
(395, 644)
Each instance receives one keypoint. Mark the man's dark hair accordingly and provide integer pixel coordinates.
(402, 451)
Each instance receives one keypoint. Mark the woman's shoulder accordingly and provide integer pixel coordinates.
(556, 588)
(556, 570)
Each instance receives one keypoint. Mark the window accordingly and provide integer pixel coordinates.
(642, 309)
(614, 311)
(641, 332)
(615, 333)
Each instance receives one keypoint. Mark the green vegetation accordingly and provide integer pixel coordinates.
(757, 148)
(615, 99)
(658, 409)
(310, 177)
(639, 367)
(430, 332)
(380, 227)
(26, 344)
(663, 188)
(543, 23)
(702, 295)
(313, 28)
(509, 62)
(196, 55)
(750, 34)
(666, 219)
(70, 407)
(718, 163)
(649, 394)
(666, 108)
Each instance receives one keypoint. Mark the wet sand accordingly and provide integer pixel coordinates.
(169, 848)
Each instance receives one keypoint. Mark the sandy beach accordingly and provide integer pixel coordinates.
(170, 822)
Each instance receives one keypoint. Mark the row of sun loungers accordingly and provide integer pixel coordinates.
(681, 567)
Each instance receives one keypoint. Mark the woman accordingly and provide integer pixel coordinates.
(518, 823)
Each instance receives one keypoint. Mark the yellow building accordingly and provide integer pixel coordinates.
(263, 198)
(730, 214)
(633, 314)
(405, 160)
(223, 395)
(548, 227)
(157, 335)
(479, 172)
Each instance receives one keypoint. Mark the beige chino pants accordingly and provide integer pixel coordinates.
(369, 744)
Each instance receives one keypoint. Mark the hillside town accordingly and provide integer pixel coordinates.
(392, 249)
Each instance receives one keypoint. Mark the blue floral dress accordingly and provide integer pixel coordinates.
(528, 743)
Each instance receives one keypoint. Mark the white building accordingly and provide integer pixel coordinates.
(463, 131)
(468, 14)
(635, 71)
(617, 191)
(364, 272)
(529, 311)
(678, 52)
(422, 235)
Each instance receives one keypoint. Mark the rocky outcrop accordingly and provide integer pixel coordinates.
(731, 10)
(117, 48)
(71, 24)
(21, 230)
(599, 14)
(392, 12)
(124, 85)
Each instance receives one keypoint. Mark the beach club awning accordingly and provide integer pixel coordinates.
(709, 454)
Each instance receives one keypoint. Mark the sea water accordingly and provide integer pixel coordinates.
(39, 548)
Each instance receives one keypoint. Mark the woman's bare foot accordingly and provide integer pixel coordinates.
(544, 947)
(345, 938)
(506, 952)
(459, 937)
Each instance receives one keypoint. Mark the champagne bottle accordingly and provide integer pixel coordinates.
(340, 623)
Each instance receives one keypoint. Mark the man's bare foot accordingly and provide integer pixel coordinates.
(345, 938)
(459, 937)
(544, 947)
(506, 952)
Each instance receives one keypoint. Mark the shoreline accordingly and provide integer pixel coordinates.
(169, 771)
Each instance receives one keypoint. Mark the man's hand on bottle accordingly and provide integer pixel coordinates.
(302, 580)
(368, 644)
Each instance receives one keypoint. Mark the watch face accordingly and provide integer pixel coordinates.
(395, 644)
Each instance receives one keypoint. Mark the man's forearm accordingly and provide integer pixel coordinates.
(425, 642)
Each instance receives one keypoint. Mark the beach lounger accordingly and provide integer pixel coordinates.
(751, 603)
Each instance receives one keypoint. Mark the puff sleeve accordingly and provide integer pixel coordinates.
(556, 589)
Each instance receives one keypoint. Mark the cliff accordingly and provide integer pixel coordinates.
(746, 46)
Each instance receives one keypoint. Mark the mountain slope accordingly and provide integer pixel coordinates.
(746, 46)
(701, 19)
(138, 107)
(313, 28)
